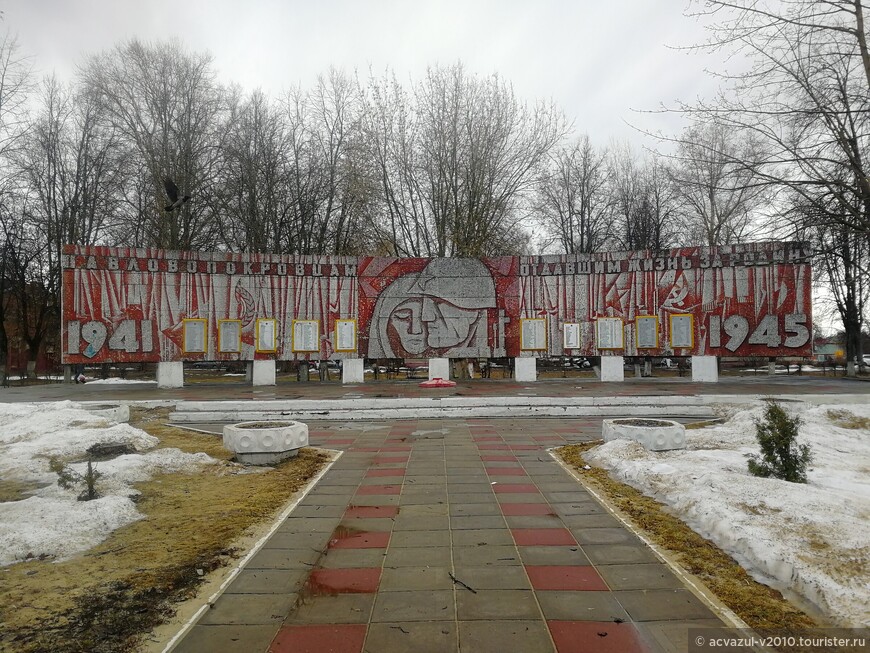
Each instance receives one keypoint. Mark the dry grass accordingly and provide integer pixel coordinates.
(758, 605)
(847, 420)
(106, 599)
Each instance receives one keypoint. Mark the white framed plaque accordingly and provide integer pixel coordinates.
(646, 331)
(266, 331)
(193, 339)
(306, 335)
(345, 335)
(533, 333)
(608, 333)
(571, 335)
(229, 336)
(682, 331)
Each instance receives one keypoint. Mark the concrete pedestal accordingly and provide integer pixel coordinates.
(352, 370)
(653, 434)
(265, 443)
(705, 369)
(526, 369)
(612, 368)
(263, 373)
(170, 374)
(439, 368)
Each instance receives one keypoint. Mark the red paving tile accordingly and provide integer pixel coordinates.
(338, 638)
(398, 471)
(342, 581)
(595, 637)
(379, 489)
(493, 458)
(565, 578)
(371, 512)
(515, 488)
(526, 509)
(506, 471)
(543, 537)
(348, 538)
(494, 447)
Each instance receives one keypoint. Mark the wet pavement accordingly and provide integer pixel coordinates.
(451, 535)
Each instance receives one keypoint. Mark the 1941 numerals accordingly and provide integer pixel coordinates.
(89, 338)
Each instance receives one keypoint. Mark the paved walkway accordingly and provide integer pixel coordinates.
(445, 536)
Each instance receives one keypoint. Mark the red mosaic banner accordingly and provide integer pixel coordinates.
(124, 305)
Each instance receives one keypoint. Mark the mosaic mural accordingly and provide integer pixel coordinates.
(125, 304)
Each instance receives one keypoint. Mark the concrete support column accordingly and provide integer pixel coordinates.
(352, 370)
(170, 374)
(705, 369)
(526, 370)
(771, 366)
(249, 372)
(263, 372)
(67, 373)
(439, 368)
(612, 369)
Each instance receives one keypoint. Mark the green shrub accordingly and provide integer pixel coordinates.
(781, 456)
(68, 479)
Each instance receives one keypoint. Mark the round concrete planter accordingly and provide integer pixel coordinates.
(653, 434)
(112, 412)
(265, 443)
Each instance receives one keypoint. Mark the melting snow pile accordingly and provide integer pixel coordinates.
(811, 539)
(51, 521)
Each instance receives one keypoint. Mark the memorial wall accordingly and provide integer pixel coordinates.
(125, 305)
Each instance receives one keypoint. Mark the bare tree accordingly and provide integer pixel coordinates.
(167, 104)
(717, 178)
(458, 158)
(574, 200)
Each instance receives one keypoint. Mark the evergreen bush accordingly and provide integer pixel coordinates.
(781, 456)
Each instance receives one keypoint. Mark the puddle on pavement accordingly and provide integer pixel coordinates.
(342, 533)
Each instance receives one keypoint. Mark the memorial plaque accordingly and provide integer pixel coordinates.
(306, 335)
(229, 336)
(608, 333)
(533, 334)
(345, 335)
(194, 336)
(266, 335)
(682, 336)
(647, 331)
(571, 335)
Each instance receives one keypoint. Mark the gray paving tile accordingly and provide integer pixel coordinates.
(268, 581)
(580, 606)
(496, 604)
(575, 495)
(553, 555)
(401, 539)
(410, 636)
(335, 609)
(662, 605)
(422, 498)
(476, 522)
(420, 522)
(438, 480)
(423, 509)
(463, 498)
(618, 554)
(307, 510)
(521, 497)
(284, 559)
(581, 507)
(483, 556)
(428, 605)
(402, 579)
(481, 537)
(493, 577)
(430, 556)
(227, 639)
(504, 636)
(639, 576)
(249, 609)
(490, 508)
(605, 536)
(324, 500)
(375, 500)
(284, 540)
(673, 636)
(597, 520)
(375, 524)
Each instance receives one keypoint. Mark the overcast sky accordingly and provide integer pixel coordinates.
(598, 60)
